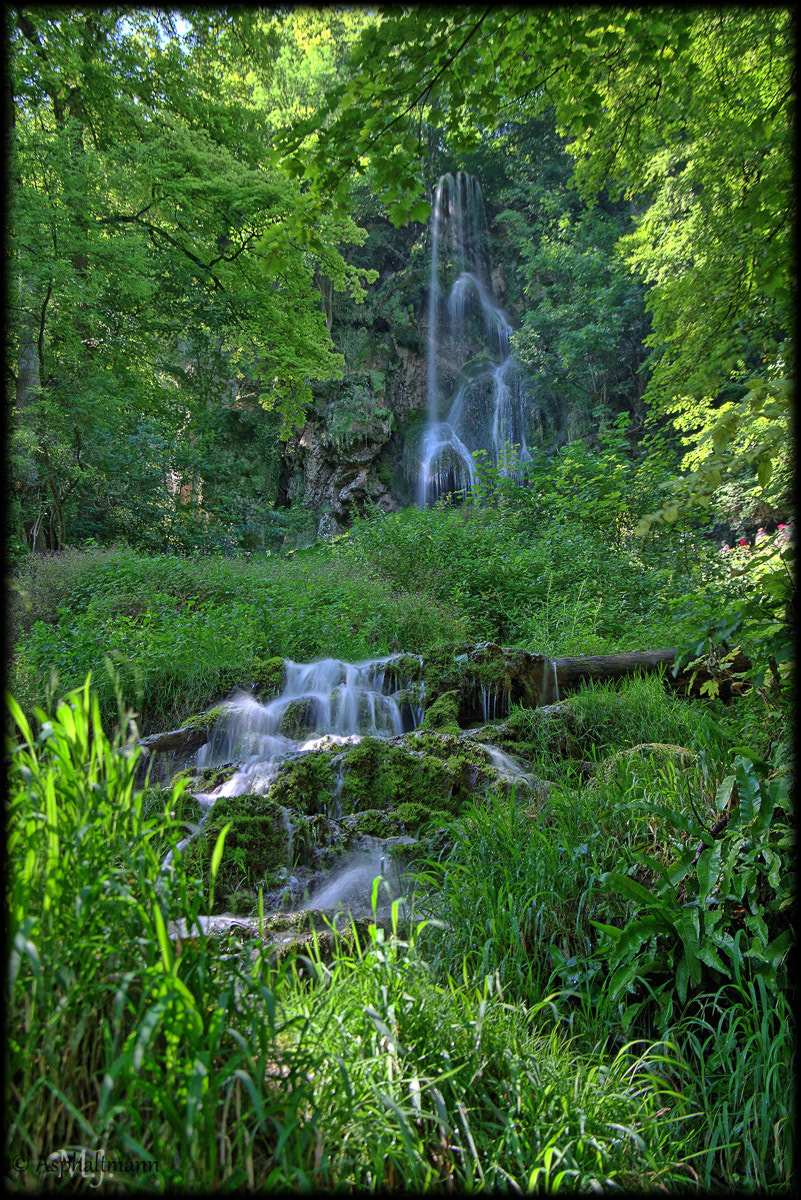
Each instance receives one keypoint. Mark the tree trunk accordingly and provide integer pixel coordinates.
(571, 673)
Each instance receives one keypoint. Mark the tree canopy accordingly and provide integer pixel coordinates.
(184, 190)
(684, 113)
(150, 240)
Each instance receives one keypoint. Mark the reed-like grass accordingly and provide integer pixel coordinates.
(227, 1069)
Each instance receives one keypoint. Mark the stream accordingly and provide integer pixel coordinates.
(323, 706)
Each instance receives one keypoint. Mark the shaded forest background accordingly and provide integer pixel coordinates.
(219, 258)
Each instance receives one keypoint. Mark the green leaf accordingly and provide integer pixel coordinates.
(764, 471)
(217, 853)
(165, 945)
(724, 792)
(637, 932)
(747, 789)
(630, 889)
(709, 955)
(708, 870)
(682, 978)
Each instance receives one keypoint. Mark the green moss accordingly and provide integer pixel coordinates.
(411, 816)
(375, 823)
(443, 714)
(205, 778)
(298, 718)
(307, 784)
(444, 670)
(206, 720)
(269, 674)
(405, 819)
(437, 771)
(257, 844)
(405, 669)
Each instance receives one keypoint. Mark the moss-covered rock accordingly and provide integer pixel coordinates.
(307, 784)
(192, 734)
(205, 779)
(257, 843)
(374, 822)
(443, 713)
(269, 675)
(531, 733)
(435, 770)
(403, 670)
(405, 819)
(333, 795)
(299, 717)
(311, 932)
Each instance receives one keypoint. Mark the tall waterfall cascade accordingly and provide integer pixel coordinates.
(475, 388)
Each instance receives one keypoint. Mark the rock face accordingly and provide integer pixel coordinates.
(337, 477)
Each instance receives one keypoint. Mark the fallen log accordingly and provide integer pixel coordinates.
(495, 677)
(571, 673)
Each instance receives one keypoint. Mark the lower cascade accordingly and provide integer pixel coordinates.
(326, 785)
(326, 702)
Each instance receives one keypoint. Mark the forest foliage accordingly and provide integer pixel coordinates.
(218, 253)
(186, 198)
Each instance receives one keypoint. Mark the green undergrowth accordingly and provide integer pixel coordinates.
(594, 990)
(655, 899)
(181, 632)
(217, 1061)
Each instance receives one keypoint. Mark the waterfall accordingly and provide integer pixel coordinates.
(475, 390)
(323, 702)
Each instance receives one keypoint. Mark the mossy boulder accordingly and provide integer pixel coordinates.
(294, 933)
(405, 819)
(443, 713)
(403, 670)
(299, 717)
(433, 770)
(489, 678)
(205, 779)
(307, 784)
(269, 675)
(531, 733)
(256, 845)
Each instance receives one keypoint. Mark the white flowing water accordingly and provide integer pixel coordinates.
(329, 702)
(325, 703)
(475, 392)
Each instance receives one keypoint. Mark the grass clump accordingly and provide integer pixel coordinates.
(632, 712)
